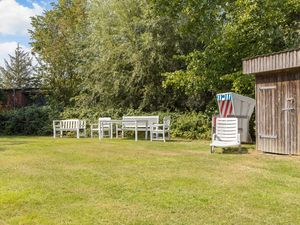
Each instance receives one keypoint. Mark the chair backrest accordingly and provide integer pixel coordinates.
(167, 121)
(149, 119)
(82, 124)
(227, 129)
(103, 119)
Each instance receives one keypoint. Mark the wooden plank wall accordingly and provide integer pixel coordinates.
(278, 131)
(274, 62)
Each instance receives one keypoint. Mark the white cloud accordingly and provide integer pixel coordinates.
(7, 48)
(15, 18)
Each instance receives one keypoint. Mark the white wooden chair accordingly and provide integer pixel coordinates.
(101, 129)
(227, 134)
(69, 125)
(158, 131)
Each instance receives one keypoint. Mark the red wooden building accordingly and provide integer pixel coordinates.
(18, 98)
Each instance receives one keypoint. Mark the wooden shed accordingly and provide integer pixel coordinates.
(277, 101)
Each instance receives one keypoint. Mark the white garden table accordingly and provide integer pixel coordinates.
(116, 123)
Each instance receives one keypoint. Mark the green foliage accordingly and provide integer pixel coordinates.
(246, 28)
(58, 37)
(116, 57)
(18, 72)
(192, 125)
(32, 120)
(128, 48)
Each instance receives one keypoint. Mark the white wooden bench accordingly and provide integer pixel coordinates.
(69, 125)
(227, 134)
(137, 123)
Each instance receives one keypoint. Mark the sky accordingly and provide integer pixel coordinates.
(15, 22)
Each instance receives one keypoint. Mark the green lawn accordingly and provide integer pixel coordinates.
(69, 181)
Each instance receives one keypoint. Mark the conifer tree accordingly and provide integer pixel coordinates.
(18, 71)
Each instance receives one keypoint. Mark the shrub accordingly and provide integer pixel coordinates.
(31, 120)
(192, 125)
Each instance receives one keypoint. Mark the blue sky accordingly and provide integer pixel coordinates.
(15, 21)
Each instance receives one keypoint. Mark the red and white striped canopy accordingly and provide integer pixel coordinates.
(225, 107)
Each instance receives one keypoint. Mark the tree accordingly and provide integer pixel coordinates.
(247, 28)
(18, 72)
(156, 54)
(128, 49)
(58, 37)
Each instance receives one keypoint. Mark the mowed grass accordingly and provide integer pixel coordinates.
(69, 181)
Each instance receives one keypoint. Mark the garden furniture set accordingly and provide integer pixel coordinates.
(107, 127)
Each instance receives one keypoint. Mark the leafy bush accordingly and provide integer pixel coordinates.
(31, 120)
(192, 125)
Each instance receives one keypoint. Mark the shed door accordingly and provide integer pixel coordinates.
(289, 114)
(266, 114)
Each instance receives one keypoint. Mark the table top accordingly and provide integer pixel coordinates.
(124, 121)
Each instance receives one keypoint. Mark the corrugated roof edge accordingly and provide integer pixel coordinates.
(273, 53)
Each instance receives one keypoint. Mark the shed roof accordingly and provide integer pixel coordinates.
(272, 62)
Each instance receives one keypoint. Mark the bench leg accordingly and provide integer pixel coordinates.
(78, 134)
(136, 133)
(61, 134)
(212, 149)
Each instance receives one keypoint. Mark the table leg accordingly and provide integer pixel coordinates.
(117, 128)
(146, 135)
(111, 130)
(100, 131)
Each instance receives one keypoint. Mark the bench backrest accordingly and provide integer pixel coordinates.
(149, 119)
(72, 124)
(227, 129)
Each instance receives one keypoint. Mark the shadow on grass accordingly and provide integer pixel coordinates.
(13, 143)
(243, 150)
